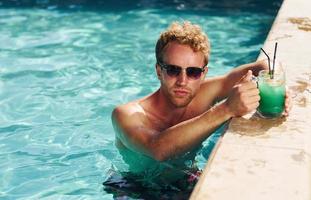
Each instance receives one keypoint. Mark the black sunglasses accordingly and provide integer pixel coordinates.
(174, 71)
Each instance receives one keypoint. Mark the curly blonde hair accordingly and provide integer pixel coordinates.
(186, 33)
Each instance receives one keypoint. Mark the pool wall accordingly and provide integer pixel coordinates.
(270, 159)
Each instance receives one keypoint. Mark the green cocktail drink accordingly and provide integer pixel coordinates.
(272, 94)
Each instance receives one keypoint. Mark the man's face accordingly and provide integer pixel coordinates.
(180, 89)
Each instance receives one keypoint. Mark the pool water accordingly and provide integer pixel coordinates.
(65, 66)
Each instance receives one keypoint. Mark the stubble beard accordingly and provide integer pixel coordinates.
(180, 102)
(175, 101)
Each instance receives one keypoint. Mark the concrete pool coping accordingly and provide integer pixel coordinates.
(270, 159)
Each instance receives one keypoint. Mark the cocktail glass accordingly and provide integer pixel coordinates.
(272, 93)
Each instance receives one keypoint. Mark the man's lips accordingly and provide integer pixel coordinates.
(181, 92)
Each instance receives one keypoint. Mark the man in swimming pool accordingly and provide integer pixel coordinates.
(187, 108)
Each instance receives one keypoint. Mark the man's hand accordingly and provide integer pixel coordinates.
(244, 96)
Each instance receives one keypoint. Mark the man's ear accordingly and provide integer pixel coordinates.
(158, 70)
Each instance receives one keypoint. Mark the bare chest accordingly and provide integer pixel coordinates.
(161, 123)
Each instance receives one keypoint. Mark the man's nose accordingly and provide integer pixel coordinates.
(182, 78)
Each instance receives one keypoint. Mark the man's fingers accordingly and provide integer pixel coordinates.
(254, 105)
(252, 98)
(248, 87)
(247, 77)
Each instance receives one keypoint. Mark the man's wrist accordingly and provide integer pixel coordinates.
(224, 110)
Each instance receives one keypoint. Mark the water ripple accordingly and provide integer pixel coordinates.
(14, 128)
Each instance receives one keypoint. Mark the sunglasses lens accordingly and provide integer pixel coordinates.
(194, 72)
(172, 70)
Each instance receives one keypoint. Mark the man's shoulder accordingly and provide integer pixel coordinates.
(126, 119)
(128, 108)
(128, 112)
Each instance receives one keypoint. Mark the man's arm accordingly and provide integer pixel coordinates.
(227, 83)
(218, 88)
(178, 139)
(229, 80)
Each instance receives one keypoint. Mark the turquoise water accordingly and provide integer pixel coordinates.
(64, 67)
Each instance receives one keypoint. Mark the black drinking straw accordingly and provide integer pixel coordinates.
(270, 73)
(274, 55)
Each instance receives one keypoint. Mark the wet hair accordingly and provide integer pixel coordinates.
(185, 33)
